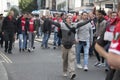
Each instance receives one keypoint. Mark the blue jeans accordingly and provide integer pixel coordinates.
(40, 31)
(86, 52)
(55, 43)
(45, 40)
(31, 38)
(59, 41)
(22, 40)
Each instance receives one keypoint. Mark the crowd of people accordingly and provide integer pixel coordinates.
(90, 33)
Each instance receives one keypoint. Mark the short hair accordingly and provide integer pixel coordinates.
(114, 12)
(1, 14)
(31, 14)
(25, 13)
(102, 12)
(61, 14)
(77, 13)
(84, 12)
(36, 15)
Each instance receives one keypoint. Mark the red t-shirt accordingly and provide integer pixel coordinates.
(31, 25)
(115, 44)
(60, 20)
(74, 18)
(23, 23)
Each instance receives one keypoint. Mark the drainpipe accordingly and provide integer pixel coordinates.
(113, 5)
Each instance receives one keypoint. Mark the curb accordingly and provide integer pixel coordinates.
(3, 72)
(40, 40)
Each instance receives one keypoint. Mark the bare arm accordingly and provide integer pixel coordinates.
(112, 58)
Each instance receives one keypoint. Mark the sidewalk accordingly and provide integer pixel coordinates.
(3, 72)
(49, 41)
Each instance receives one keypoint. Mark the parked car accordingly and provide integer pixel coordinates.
(86, 10)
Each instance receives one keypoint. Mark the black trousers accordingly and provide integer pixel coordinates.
(1, 39)
(9, 38)
(113, 75)
(99, 58)
(116, 75)
(110, 74)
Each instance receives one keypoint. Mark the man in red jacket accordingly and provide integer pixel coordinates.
(31, 33)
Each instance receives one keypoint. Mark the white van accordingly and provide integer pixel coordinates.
(44, 12)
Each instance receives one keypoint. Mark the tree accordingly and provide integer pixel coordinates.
(28, 5)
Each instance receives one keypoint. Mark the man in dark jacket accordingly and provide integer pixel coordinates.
(37, 25)
(22, 31)
(46, 30)
(1, 36)
(8, 30)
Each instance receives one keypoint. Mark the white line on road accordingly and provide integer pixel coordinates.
(6, 59)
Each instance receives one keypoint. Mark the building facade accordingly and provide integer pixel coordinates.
(72, 4)
(106, 4)
(86, 2)
(43, 4)
(5, 5)
(64, 5)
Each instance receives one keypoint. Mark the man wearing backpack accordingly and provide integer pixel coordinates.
(68, 44)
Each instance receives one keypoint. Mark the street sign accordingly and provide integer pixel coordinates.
(108, 5)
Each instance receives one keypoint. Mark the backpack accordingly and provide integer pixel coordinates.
(69, 44)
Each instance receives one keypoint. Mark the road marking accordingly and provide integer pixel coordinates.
(2, 61)
(6, 59)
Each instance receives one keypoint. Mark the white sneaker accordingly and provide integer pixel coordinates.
(103, 64)
(32, 49)
(85, 68)
(79, 66)
(97, 64)
(65, 74)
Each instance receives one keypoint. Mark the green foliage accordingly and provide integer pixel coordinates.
(28, 5)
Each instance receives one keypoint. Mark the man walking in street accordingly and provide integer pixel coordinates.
(31, 33)
(47, 27)
(68, 44)
(1, 36)
(22, 31)
(9, 29)
(84, 39)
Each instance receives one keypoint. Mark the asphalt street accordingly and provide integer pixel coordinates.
(44, 64)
